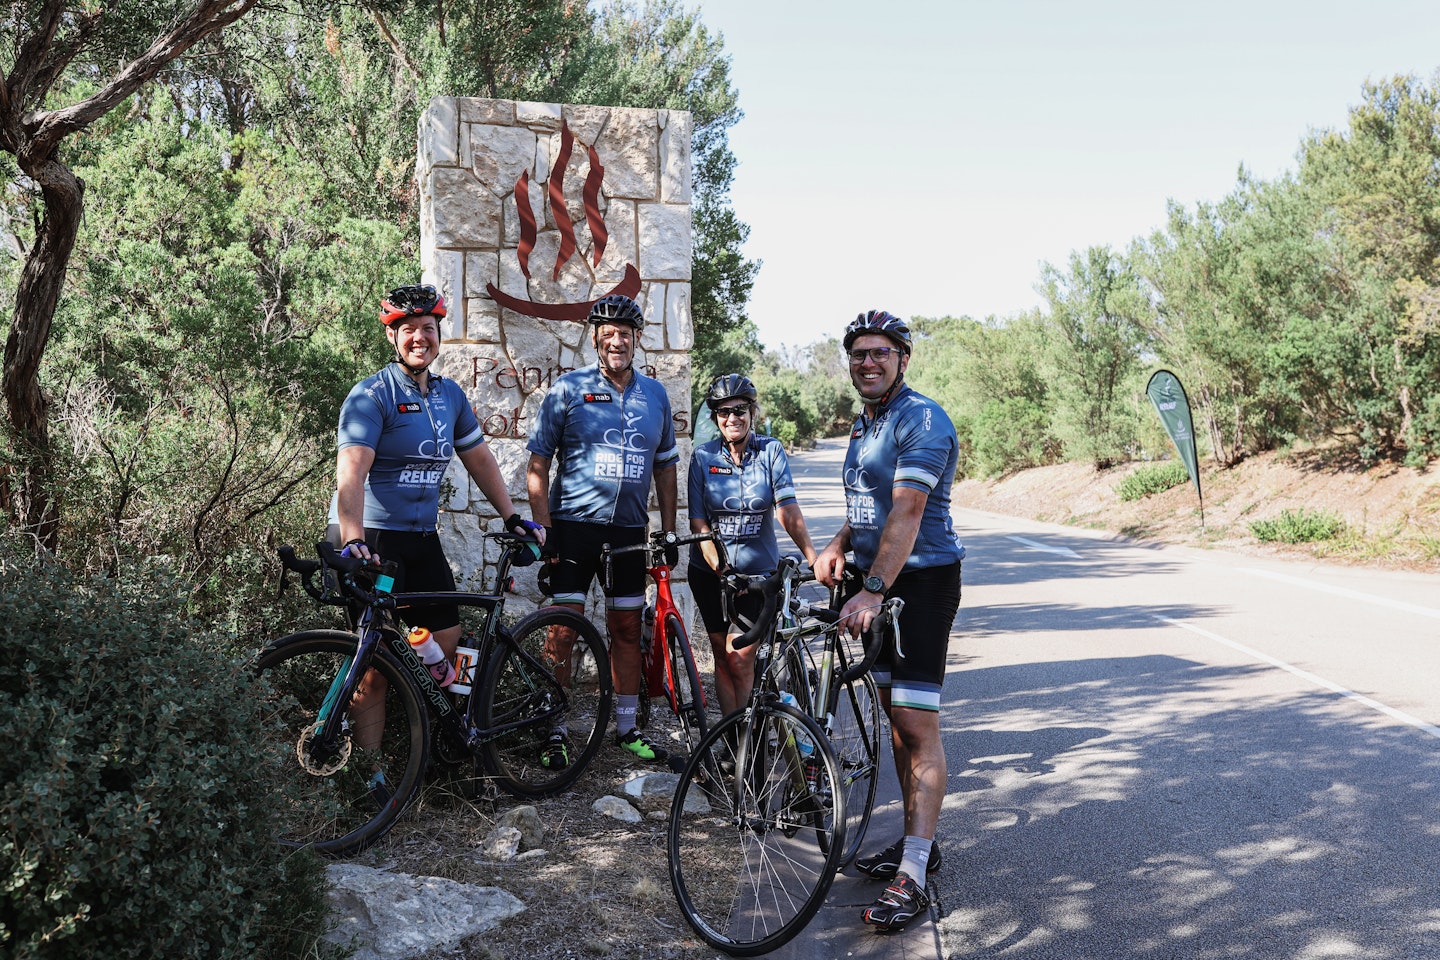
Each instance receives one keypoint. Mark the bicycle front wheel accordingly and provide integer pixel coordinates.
(854, 733)
(552, 678)
(685, 676)
(756, 830)
(339, 797)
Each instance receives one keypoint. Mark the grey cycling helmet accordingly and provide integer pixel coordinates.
(617, 308)
(878, 321)
(730, 386)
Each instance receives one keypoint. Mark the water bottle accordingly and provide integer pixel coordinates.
(806, 747)
(432, 656)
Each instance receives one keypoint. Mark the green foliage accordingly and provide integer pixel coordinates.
(1152, 478)
(1298, 526)
(1010, 433)
(1094, 356)
(131, 821)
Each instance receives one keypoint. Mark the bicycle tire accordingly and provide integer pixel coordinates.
(522, 691)
(744, 861)
(854, 733)
(685, 680)
(331, 807)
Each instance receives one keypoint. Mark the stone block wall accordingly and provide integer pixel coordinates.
(495, 204)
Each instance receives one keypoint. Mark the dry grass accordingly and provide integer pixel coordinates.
(1391, 512)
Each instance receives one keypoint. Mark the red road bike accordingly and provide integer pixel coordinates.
(667, 659)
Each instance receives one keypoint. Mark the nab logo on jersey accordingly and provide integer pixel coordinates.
(725, 470)
(855, 434)
(598, 398)
(408, 407)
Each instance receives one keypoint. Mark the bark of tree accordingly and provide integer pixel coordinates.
(34, 136)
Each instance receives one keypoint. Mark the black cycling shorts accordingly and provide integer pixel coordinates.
(915, 673)
(421, 567)
(705, 588)
(579, 561)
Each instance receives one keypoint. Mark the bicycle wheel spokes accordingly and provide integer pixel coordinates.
(745, 863)
(562, 685)
(342, 795)
(855, 736)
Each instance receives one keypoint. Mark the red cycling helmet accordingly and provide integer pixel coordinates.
(412, 301)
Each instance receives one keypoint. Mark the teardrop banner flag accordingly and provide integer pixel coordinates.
(1165, 391)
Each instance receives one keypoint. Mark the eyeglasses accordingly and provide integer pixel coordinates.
(876, 355)
(725, 413)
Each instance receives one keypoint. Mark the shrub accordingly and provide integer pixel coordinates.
(131, 820)
(1152, 478)
(1298, 526)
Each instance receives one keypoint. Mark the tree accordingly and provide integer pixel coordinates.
(1094, 311)
(1377, 181)
(47, 44)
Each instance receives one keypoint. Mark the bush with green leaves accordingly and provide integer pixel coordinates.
(1152, 478)
(132, 822)
(1298, 526)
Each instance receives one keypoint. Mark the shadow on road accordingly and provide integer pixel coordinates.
(1147, 815)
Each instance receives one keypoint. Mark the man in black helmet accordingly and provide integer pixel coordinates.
(605, 431)
(898, 472)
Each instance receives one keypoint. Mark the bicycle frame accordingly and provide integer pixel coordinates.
(465, 727)
(661, 641)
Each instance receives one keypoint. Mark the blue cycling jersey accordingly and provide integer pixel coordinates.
(608, 443)
(910, 443)
(413, 437)
(739, 500)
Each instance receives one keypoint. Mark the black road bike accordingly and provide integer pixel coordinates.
(355, 714)
(776, 798)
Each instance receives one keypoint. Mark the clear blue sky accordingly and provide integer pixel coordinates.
(928, 157)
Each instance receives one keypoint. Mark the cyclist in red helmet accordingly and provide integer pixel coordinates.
(898, 473)
(398, 431)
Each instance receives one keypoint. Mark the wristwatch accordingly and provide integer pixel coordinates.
(874, 584)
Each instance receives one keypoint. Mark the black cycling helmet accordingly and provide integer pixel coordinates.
(617, 308)
(878, 321)
(412, 301)
(730, 386)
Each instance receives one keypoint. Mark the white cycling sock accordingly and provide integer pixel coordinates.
(916, 858)
(625, 709)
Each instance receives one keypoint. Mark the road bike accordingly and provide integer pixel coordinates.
(772, 803)
(666, 654)
(345, 771)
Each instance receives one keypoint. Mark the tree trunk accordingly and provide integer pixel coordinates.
(32, 500)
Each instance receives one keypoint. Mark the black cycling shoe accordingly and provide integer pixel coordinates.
(885, 864)
(555, 755)
(902, 901)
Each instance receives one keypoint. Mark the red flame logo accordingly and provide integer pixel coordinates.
(629, 284)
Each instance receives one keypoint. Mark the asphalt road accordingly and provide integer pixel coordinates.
(1165, 753)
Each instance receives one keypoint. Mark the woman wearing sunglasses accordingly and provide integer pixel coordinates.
(739, 481)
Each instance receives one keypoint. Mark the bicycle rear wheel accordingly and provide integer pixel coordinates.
(854, 733)
(328, 796)
(534, 688)
(689, 694)
(755, 831)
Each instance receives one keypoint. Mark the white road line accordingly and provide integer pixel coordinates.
(1063, 551)
(1376, 705)
(1345, 592)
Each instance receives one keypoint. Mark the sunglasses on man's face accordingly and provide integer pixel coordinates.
(725, 413)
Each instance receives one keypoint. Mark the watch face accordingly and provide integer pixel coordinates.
(874, 584)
